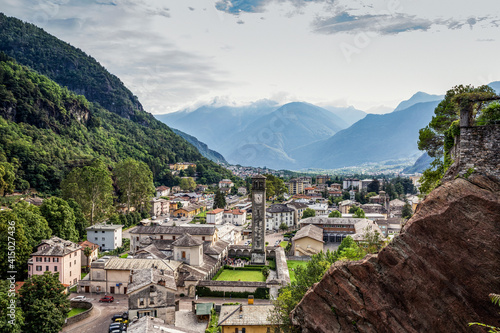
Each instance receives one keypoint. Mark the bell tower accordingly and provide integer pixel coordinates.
(258, 220)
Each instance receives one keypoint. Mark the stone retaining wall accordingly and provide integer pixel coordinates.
(81, 316)
(232, 286)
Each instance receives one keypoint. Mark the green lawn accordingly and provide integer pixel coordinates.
(283, 244)
(230, 275)
(75, 311)
(202, 214)
(124, 255)
(292, 264)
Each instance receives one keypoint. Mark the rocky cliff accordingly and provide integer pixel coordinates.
(434, 277)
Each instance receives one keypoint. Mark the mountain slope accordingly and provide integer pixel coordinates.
(422, 163)
(202, 147)
(268, 140)
(213, 124)
(419, 97)
(375, 138)
(350, 115)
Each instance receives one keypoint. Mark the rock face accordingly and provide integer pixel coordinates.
(434, 277)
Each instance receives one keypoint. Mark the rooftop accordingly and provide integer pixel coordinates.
(55, 246)
(187, 240)
(86, 243)
(132, 264)
(105, 227)
(148, 324)
(175, 230)
(310, 231)
(142, 277)
(215, 211)
(279, 208)
(245, 315)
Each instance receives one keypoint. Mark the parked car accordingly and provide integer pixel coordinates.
(79, 298)
(116, 316)
(107, 299)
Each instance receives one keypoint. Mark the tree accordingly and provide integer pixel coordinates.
(353, 209)
(265, 271)
(10, 322)
(7, 178)
(373, 186)
(372, 240)
(92, 188)
(44, 305)
(219, 200)
(335, 213)
(11, 228)
(437, 138)
(187, 184)
(274, 186)
(406, 212)
(308, 212)
(87, 251)
(360, 214)
(81, 222)
(135, 182)
(35, 225)
(283, 226)
(60, 217)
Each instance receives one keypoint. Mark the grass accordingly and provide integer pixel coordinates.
(83, 275)
(230, 275)
(202, 214)
(124, 255)
(292, 264)
(75, 311)
(284, 244)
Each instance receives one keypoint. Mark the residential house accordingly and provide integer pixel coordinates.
(335, 229)
(372, 208)
(189, 210)
(334, 193)
(299, 207)
(390, 227)
(246, 318)
(107, 236)
(37, 201)
(93, 255)
(296, 186)
(57, 255)
(162, 191)
(154, 325)
(321, 209)
(345, 205)
(363, 184)
(310, 190)
(151, 292)
(308, 241)
(175, 189)
(229, 233)
(182, 166)
(350, 183)
(280, 213)
(235, 216)
(201, 188)
(226, 183)
(336, 187)
(215, 216)
(396, 207)
(322, 179)
(159, 207)
(242, 190)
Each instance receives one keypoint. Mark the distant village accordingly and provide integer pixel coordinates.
(187, 242)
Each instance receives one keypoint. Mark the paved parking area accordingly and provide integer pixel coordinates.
(187, 319)
(100, 319)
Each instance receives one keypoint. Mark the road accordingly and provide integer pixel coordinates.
(100, 319)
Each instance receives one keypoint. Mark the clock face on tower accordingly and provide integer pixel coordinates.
(258, 198)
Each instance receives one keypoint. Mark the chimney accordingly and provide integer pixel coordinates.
(241, 307)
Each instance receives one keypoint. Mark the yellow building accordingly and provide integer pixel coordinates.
(246, 318)
(308, 241)
(189, 211)
(182, 166)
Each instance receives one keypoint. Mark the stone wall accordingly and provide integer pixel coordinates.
(81, 316)
(477, 151)
(232, 286)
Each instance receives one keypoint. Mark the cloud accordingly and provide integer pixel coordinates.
(256, 6)
(384, 24)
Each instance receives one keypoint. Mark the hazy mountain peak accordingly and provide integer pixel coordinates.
(419, 97)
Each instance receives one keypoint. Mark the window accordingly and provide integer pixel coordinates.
(95, 231)
(161, 237)
(203, 238)
(69, 273)
(38, 268)
(70, 264)
(55, 268)
(183, 255)
(46, 259)
(75, 262)
(38, 259)
(46, 268)
(102, 231)
(141, 301)
(29, 268)
(97, 238)
(137, 238)
(103, 238)
(173, 237)
(70, 255)
(55, 260)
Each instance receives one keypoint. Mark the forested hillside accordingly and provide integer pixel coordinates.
(45, 130)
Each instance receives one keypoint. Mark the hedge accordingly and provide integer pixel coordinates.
(260, 293)
(246, 268)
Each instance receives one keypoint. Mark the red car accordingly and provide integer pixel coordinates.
(107, 299)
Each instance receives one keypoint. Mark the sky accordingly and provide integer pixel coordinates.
(368, 54)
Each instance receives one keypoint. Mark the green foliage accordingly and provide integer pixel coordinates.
(60, 217)
(187, 184)
(219, 200)
(283, 226)
(308, 212)
(10, 322)
(407, 212)
(91, 187)
(135, 182)
(49, 130)
(275, 186)
(353, 209)
(13, 240)
(81, 222)
(438, 137)
(489, 115)
(469, 172)
(44, 305)
(265, 272)
(495, 299)
(212, 324)
(35, 225)
(335, 213)
(119, 250)
(7, 178)
(359, 213)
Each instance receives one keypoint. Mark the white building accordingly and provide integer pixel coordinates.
(348, 182)
(320, 209)
(242, 190)
(162, 191)
(107, 236)
(280, 214)
(235, 216)
(226, 183)
(215, 216)
(229, 233)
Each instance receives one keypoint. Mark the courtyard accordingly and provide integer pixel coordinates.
(241, 275)
(293, 264)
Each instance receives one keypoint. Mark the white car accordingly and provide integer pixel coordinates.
(79, 298)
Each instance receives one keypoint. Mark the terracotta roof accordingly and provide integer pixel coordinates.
(309, 188)
(310, 231)
(86, 243)
(215, 211)
(162, 188)
(187, 240)
(235, 211)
